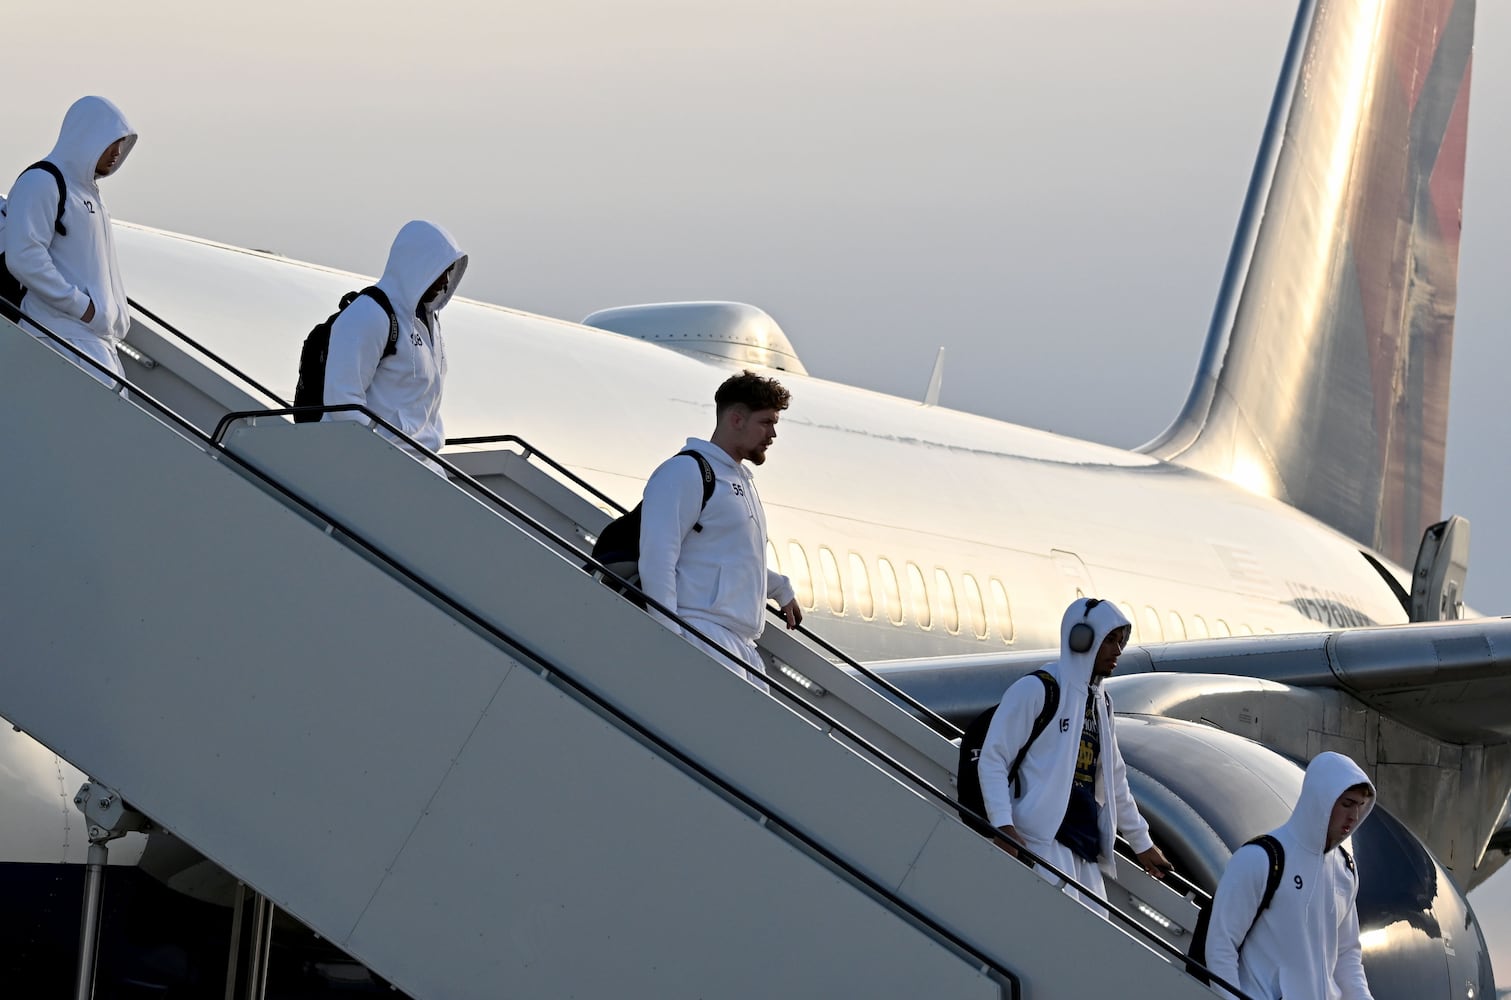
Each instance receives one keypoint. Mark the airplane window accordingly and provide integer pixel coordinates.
(1177, 626)
(1222, 627)
(918, 597)
(974, 606)
(1002, 610)
(860, 587)
(1198, 627)
(802, 582)
(1152, 630)
(891, 593)
(1245, 630)
(832, 588)
(949, 611)
(772, 562)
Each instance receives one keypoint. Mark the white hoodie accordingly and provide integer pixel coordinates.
(64, 273)
(403, 388)
(1049, 767)
(1306, 945)
(718, 574)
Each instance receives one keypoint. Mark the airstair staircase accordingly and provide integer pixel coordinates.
(400, 709)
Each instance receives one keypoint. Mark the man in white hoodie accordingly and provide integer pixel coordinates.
(66, 262)
(425, 265)
(708, 562)
(1071, 795)
(1305, 945)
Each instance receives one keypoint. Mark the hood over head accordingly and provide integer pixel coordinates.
(1103, 617)
(89, 127)
(421, 253)
(1328, 776)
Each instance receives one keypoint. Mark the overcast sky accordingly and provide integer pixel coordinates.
(1047, 190)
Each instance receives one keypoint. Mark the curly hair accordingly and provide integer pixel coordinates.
(752, 391)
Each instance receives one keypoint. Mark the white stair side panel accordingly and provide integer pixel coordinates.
(567, 861)
(166, 598)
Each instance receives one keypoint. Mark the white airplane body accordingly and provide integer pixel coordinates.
(853, 472)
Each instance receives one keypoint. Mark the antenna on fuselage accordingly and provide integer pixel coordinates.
(931, 394)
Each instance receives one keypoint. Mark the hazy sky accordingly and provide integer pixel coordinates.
(1048, 190)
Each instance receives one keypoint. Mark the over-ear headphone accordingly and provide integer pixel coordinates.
(1081, 633)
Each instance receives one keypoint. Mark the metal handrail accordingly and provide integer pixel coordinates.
(1184, 885)
(123, 386)
(944, 727)
(532, 451)
(1189, 889)
(201, 348)
(215, 441)
(928, 716)
(1129, 923)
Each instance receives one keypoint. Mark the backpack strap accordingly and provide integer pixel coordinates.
(381, 298)
(707, 471)
(1276, 853)
(57, 175)
(1041, 722)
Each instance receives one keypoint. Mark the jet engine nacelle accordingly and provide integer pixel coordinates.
(1205, 792)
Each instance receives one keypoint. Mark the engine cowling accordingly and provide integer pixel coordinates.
(1205, 792)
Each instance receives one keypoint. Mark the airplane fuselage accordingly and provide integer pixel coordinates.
(908, 530)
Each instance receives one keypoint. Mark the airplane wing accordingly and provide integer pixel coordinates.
(1451, 680)
(1425, 708)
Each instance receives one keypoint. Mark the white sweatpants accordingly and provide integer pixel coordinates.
(1088, 873)
(742, 649)
(91, 347)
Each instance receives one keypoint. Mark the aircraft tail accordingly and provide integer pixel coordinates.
(1324, 379)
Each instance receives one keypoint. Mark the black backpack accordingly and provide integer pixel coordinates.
(1197, 954)
(11, 290)
(310, 390)
(967, 774)
(618, 546)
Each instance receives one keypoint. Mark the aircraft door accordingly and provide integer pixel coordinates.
(1074, 577)
(1437, 582)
